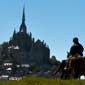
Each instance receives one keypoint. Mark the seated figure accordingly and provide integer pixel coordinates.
(76, 51)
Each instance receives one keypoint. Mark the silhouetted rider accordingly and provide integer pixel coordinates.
(76, 49)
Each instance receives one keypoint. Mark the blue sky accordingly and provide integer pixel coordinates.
(54, 21)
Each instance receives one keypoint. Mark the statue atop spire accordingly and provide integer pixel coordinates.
(23, 25)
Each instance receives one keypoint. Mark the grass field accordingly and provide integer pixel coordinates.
(43, 81)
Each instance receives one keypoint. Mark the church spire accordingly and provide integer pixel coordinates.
(23, 17)
(23, 26)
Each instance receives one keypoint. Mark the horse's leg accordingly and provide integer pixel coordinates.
(62, 75)
(79, 77)
(65, 74)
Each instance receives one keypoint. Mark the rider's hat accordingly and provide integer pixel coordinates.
(75, 40)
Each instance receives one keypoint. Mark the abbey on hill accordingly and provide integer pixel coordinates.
(24, 49)
(22, 54)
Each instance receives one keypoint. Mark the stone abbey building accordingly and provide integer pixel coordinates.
(22, 52)
(23, 49)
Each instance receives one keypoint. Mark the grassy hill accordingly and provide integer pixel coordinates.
(43, 81)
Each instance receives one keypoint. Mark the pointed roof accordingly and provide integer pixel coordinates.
(23, 25)
(23, 16)
(14, 33)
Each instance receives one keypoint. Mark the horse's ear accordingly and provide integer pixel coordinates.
(68, 54)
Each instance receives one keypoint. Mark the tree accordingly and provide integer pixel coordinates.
(53, 60)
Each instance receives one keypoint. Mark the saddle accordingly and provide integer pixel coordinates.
(76, 56)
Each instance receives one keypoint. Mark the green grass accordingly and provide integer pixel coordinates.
(43, 81)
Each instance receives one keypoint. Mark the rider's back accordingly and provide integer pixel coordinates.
(77, 49)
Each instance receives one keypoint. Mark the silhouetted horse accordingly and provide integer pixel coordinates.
(77, 68)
